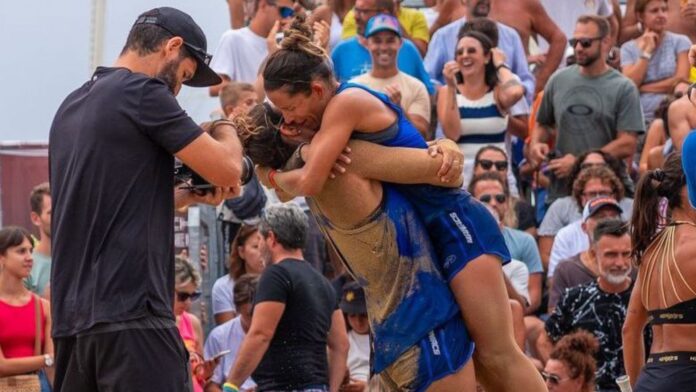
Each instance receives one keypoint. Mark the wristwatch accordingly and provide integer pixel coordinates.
(48, 360)
(646, 55)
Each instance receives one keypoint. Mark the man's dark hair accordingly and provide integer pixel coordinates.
(37, 195)
(484, 26)
(386, 5)
(601, 22)
(245, 289)
(611, 226)
(145, 38)
(289, 224)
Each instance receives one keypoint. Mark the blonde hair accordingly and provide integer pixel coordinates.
(185, 272)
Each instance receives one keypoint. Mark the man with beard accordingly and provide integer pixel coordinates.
(599, 306)
(40, 201)
(586, 106)
(111, 157)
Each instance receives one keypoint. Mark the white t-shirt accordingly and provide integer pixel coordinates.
(359, 356)
(414, 96)
(569, 241)
(239, 55)
(226, 336)
(223, 295)
(518, 274)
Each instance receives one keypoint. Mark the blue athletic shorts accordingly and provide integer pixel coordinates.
(442, 352)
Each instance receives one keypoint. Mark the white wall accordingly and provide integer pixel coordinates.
(44, 55)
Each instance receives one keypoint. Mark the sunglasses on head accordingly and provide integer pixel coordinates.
(584, 42)
(286, 12)
(499, 198)
(183, 296)
(487, 164)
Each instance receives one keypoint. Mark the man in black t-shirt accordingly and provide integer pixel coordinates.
(111, 157)
(295, 317)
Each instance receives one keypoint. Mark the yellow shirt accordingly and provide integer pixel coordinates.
(412, 21)
(692, 75)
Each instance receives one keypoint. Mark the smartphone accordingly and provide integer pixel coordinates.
(459, 78)
(221, 354)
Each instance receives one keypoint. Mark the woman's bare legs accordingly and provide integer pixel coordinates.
(500, 365)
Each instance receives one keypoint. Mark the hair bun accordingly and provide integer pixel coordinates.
(581, 341)
(299, 37)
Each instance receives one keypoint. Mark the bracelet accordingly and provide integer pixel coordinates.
(271, 178)
(503, 65)
(229, 387)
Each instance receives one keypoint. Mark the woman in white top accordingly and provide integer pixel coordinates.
(473, 105)
(245, 258)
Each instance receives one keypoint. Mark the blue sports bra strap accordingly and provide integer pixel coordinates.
(379, 95)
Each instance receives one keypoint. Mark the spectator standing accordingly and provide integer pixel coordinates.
(113, 255)
(586, 106)
(295, 316)
(414, 27)
(241, 52)
(245, 258)
(472, 106)
(230, 334)
(351, 58)
(440, 52)
(657, 59)
(571, 365)
(609, 239)
(664, 292)
(566, 13)
(25, 319)
(40, 202)
(384, 40)
(334, 14)
(354, 310)
(578, 309)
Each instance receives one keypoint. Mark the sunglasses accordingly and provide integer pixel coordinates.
(553, 379)
(487, 164)
(184, 296)
(286, 12)
(364, 11)
(499, 198)
(584, 42)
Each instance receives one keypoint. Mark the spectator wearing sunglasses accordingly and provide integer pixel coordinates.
(241, 52)
(602, 112)
(186, 290)
(571, 365)
(490, 189)
(656, 59)
(494, 159)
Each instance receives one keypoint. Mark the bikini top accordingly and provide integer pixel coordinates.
(663, 262)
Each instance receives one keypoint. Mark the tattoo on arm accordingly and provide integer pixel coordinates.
(510, 83)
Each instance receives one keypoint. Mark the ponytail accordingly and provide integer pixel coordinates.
(652, 187)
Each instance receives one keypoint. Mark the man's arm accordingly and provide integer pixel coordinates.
(543, 25)
(216, 157)
(264, 322)
(534, 289)
(338, 350)
(665, 86)
(623, 146)
(678, 115)
(629, 25)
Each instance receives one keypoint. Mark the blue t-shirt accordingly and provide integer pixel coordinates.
(351, 59)
(523, 248)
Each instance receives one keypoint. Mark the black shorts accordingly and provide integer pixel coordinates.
(668, 372)
(141, 355)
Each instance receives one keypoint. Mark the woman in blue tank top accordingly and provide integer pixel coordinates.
(298, 80)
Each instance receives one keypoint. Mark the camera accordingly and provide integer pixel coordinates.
(185, 175)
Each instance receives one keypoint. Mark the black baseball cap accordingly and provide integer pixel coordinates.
(353, 299)
(180, 24)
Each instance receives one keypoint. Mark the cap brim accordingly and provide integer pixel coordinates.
(353, 308)
(607, 205)
(380, 29)
(689, 166)
(204, 75)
